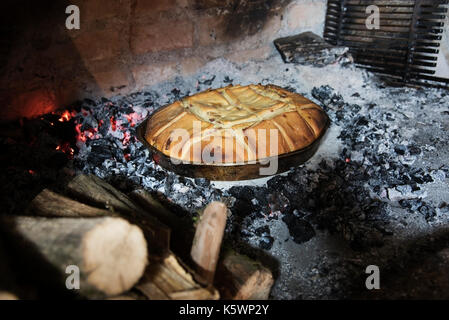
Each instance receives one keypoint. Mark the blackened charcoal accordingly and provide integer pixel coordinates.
(327, 96)
(279, 203)
(427, 178)
(362, 121)
(266, 242)
(400, 149)
(300, 230)
(243, 205)
(262, 231)
(419, 206)
(202, 182)
(427, 211)
(227, 80)
(176, 93)
(89, 122)
(389, 117)
(207, 82)
(355, 108)
(100, 151)
(159, 175)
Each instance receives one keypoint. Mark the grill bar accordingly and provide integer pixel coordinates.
(406, 45)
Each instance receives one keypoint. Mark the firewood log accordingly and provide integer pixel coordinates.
(240, 278)
(237, 277)
(94, 191)
(51, 204)
(169, 280)
(110, 253)
(207, 241)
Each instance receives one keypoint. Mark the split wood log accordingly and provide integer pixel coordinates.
(238, 276)
(51, 204)
(207, 241)
(111, 254)
(169, 280)
(94, 191)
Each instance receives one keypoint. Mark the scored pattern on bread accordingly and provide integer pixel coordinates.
(236, 124)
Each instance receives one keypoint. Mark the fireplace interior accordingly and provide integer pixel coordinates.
(375, 193)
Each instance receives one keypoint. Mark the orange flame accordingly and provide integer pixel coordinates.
(66, 116)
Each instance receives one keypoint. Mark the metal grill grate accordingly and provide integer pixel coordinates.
(404, 49)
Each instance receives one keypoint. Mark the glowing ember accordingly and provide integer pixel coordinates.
(113, 124)
(125, 140)
(84, 135)
(67, 149)
(66, 116)
(31, 172)
(133, 118)
(80, 134)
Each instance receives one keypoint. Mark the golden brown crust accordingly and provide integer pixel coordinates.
(236, 124)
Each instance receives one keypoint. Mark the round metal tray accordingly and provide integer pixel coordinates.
(231, 171)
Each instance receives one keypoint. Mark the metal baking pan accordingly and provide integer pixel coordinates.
(231, 171)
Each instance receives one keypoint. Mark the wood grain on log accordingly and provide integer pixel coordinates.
(207, 241)
(169, 280)
(94, 191)
(51, 204)
(240, 278)
(111, 254)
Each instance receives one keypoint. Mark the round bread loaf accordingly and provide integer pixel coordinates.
(235, 124)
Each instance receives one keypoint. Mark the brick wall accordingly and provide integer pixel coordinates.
(126, 45)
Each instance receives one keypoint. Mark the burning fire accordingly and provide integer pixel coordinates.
(66, 116)
(119, 126)
(86, 134)
(67, 149)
